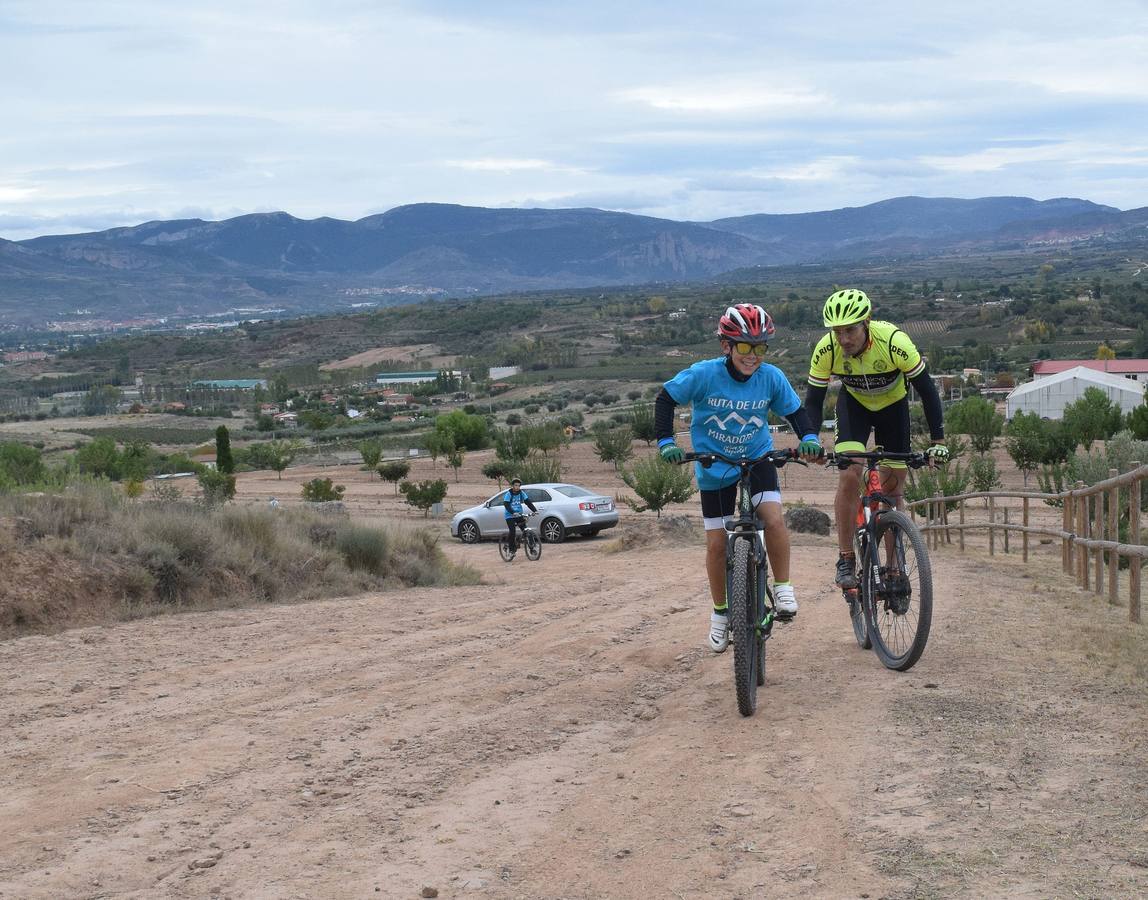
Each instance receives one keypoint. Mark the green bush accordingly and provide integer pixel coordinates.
(948, 481)
(538, 468)
(362, 549)
(321, 490)
(658, 483)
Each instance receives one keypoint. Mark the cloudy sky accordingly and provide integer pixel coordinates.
(116, 112)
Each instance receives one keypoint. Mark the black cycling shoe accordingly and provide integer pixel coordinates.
(846, 575)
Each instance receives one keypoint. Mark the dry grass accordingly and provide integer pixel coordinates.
(159, 556)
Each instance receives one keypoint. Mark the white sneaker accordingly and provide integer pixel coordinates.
(784, 601)
(719, 632)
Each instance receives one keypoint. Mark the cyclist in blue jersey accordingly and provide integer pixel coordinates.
(732, 397)
(513, 501)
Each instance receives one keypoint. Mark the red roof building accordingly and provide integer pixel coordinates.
(1136, 369)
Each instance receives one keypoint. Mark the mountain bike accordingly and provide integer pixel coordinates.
(892, 606)
(751, 607)
(531, 542)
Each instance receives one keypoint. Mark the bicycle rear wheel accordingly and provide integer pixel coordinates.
(533, 546)
(504, 549)
(742, 596)
(900, 610)
(857, 607)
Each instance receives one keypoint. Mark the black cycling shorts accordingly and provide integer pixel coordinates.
(723, 502)
(855, 423)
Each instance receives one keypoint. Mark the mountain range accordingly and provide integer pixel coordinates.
(196, 267)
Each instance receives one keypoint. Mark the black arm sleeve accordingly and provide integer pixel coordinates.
(815, 405)
(506, 505)
(664, 415)
(533, 508)
(799, 419)
(931, 400)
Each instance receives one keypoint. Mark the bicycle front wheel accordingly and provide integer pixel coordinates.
(856, 606)
(504, 549)
(533, 546)
(899, 595)
(742, 598)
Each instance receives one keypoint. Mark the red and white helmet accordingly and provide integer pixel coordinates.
(746, 322)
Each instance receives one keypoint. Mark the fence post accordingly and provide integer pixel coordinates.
(962, 531)
(1066, 527)
(992, 531)
(1096, 530)
(938, 505)
(1081, 532)
(1113, 501)
(1134, 538)
(1024, 535)
(1005, 511)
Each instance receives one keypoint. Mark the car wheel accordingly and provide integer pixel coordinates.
(468, 532)
(553, 531)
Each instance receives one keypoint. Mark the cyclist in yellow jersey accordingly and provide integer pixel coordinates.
(873, 360)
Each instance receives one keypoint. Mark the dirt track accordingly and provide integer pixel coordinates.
(560, 732)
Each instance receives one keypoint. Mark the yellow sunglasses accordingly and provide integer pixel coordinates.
(745, 349)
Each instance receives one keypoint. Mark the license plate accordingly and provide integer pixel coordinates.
(605, 506)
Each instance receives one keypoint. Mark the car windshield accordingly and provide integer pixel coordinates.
(571, 490)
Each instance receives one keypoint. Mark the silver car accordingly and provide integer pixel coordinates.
(563, 509)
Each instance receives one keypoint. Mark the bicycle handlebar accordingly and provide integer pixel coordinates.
(778, 457)
(845, 458)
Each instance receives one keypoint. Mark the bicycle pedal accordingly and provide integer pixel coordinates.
(785, 618)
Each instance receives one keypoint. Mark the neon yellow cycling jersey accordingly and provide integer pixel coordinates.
(876, 377)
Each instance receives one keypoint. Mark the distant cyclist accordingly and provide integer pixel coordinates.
(874, 360)
(732, 397)
(513, 501)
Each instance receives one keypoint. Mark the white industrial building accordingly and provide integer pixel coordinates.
(1048, 396)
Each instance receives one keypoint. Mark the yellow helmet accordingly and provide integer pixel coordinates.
(847, 307)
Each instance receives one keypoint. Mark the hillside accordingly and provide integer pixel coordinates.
(275, 261)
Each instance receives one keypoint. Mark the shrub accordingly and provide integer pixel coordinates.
(948, 481)
(218, 487)
(614, 445)
(321, 490)
(394, 471)
(538, 468)
(363, 549)
(658, 483)
(424, 494)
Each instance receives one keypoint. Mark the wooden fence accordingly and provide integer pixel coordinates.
(1089, 533)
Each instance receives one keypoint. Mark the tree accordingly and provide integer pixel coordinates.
(394, 471)
(218, 487)
(321, 490)
(20, 464)
(497, 469)
(224, 462)
(1093, 417)
(424, 494)
(371, 451)
(454, 460)
(658, 483)
(467, 432)
(1138, 422)
(438, 443)
(274, 455)
(642, 422)
(978, 418)
(614, 445)
(1105, 352)
(512, 444)
(1025, 441)
(100, 401)
(100, 458)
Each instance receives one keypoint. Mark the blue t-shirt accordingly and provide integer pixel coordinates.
(515, 501)
(730, 417)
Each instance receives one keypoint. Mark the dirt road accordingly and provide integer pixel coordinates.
(560, 732)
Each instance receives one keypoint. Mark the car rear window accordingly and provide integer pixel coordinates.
(572, 490)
